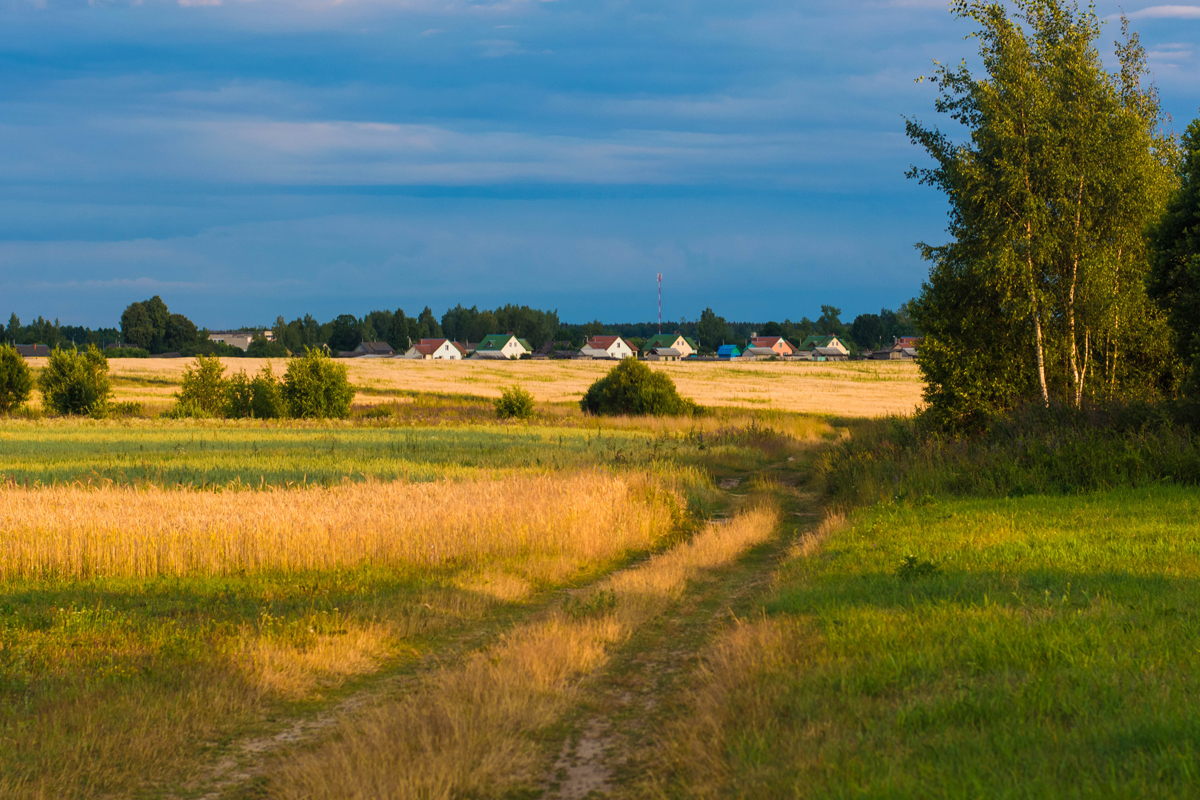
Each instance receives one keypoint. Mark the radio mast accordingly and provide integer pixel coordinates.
(660, 302)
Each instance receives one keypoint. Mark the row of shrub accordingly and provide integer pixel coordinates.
(73, 382)
(313, 387)
(78, 382)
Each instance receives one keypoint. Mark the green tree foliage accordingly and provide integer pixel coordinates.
(317, 387)
(16, 382)
(1041, 293)
(76, 383)
(830, 323)
(631, 387)
(260, 347)
(514, 403)
(712, 331)
(151, 326)
(345, 335)
(260, 397)
(873, 331)
(1175, 260)
(203, 389)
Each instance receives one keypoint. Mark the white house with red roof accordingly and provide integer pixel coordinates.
(607, 347)
(437, 350)
(781, 346)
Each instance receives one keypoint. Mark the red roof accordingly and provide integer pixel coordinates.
(605, 342)
(770, 341)
(426, 349)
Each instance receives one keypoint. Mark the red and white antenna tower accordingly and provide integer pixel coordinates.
(660, 302)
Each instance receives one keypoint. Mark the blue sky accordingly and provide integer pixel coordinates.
(250, 158)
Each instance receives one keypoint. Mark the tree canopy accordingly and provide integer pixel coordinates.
(1040, 295)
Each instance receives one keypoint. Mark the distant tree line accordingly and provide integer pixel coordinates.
(150, 328)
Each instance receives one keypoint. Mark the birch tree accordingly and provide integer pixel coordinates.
(1064, 167)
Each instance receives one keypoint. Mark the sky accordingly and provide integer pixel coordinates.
(245, 159)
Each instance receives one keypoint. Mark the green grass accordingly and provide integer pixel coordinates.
(107, 682)
(1050, 649)
(217, 453)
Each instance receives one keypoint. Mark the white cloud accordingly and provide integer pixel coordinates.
(1166, 12)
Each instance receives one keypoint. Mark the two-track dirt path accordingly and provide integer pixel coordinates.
(613, 742)
(609, 741)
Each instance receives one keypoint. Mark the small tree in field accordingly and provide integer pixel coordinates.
(314, 386)
(514, 403)
(15, 381)
(631, 387)
(203, 389)
(260, 397)
(76, 383)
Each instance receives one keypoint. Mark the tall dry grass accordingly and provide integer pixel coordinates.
(554, 521)
(469, 733)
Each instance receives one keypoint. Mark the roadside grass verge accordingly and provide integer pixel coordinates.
(1032, 647)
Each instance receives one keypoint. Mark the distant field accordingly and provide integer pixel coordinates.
(857, 389)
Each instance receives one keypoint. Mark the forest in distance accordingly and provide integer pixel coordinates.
(150, 326)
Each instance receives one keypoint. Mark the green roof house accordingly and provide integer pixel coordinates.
(502, 345)
(675, 341)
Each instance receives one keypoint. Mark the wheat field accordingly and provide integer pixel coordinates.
(856, 389)
(556, 521)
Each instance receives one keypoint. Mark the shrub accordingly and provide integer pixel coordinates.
(127, 408)
(76, 383)
(187, 410)
(203, 388)
(631, 387)
(314, 386)
(259, 397)
(514, 403)
(16, 382)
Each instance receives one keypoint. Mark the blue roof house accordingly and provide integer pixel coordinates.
(728, 351)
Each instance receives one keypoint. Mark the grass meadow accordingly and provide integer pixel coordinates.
(1004, 619)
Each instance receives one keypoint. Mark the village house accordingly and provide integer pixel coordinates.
(759, 353)
(607, 347)
(777, 344)
(436, 350)
(675, 341)
(373, 350)
(828, 345)
(239, 339)
(727, 351)
(502, 345)
(904, 348)
(663, 354)
(33, 350)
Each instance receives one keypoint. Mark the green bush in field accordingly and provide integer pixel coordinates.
(16, 383)
(76, 383)
(314, 386)
(514, 403)
(260, 397)
(203, 389)
(633, 388)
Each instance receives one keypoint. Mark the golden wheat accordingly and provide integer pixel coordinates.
(554, 521)
(859, 388)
